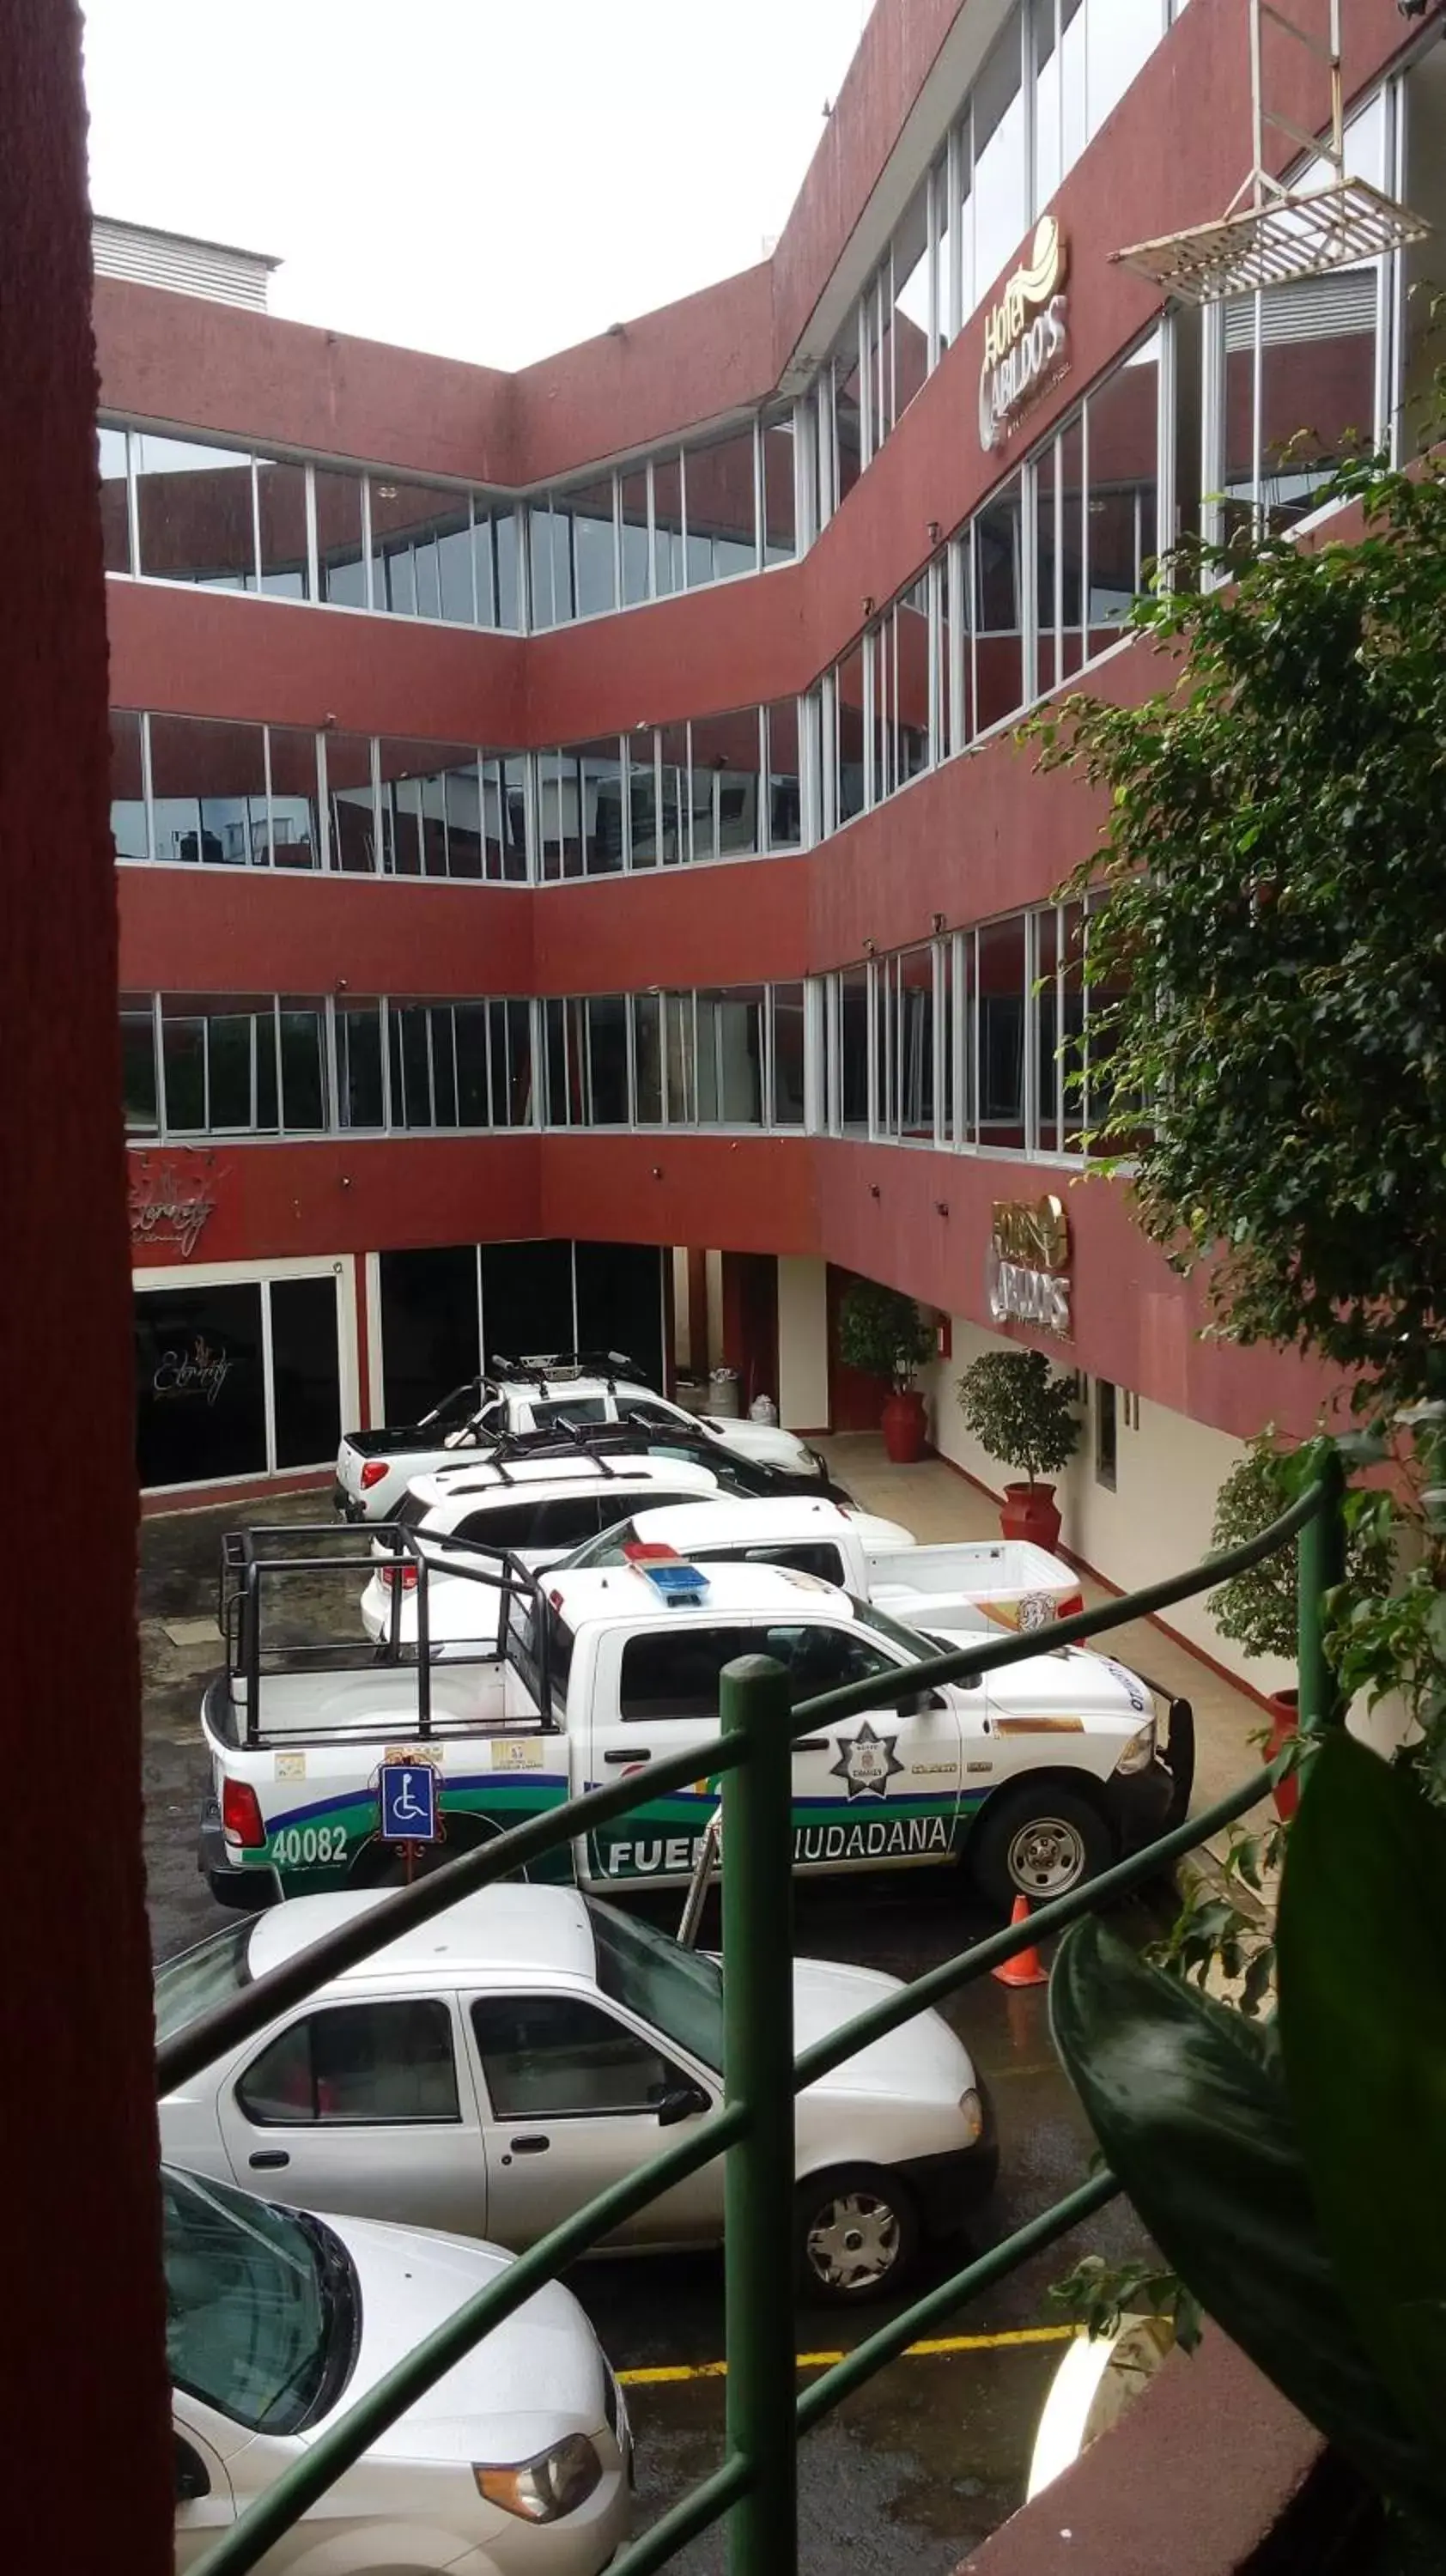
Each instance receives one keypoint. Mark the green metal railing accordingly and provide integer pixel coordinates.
(756, 2482)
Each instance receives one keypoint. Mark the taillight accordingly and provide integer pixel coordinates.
(1070, 1606)
(372, 1473)
(408, 1574)
(241, 1815)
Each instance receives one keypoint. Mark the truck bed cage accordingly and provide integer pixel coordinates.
(544, 1367)
(258, 1560)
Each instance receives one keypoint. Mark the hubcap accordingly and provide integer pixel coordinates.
(1046, 1856)
(853, 2241)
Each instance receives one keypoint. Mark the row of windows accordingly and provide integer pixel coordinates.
(225, 518)
(239, 1064)
(979, 1039)
(224, 794)
(1052, 76)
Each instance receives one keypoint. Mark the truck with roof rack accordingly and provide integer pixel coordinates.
(1036, 1777)
(567, 1391)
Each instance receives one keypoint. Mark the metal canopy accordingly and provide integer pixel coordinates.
(1270, 233)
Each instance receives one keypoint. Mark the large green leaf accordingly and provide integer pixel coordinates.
(1188, 2101)
(1362, 1969)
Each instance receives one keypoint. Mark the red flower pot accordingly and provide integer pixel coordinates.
(1284, 1720)
(1030, 1511)
(903, 1423)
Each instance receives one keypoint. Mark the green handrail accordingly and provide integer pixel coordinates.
(756, 2483)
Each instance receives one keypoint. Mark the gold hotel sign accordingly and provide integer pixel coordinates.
(1029, 1263)
(1026, 335)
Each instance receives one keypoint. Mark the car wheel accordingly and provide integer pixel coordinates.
(1039, 1842)
(858, 2235)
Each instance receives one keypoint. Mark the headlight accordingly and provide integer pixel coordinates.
(1139, 1753)
(971, 2111)
(544, 2489)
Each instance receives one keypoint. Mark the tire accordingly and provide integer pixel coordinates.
(857, 2235)
(1038, 1840)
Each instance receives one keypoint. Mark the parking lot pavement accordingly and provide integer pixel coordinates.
(934, 2453)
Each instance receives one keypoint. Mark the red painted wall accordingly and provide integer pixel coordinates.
(85, 2470)
(202, 930)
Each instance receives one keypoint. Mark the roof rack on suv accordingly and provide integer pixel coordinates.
(540, 1367)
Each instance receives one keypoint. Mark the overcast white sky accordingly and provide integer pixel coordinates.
(486, 178)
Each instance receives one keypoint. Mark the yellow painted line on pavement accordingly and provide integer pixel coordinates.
(666, 2373)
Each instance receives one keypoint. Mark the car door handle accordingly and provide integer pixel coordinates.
(529, 2146)
(812, 1744)
(634, 1753)
(268, 2160)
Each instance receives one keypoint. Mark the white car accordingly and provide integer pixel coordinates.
(537, 1508)
(495, 2069)
(516, 2463)
(565, 1392)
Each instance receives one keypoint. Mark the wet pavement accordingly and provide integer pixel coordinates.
(919, 2466)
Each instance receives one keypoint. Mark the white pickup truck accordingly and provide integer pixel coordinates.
(563, 1395)
(1039, 1775)
(960, 1588)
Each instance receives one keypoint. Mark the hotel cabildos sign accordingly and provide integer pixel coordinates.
(1026, 336)
(1029, 1265)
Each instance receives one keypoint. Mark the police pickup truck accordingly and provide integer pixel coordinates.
(1037, 1776)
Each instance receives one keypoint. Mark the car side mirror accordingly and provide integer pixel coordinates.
(681, 2101)
(920, 1703)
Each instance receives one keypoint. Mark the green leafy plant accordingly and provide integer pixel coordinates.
(1259, 1609)
(1265, 967)
(882, 1332)
(1021, 1411)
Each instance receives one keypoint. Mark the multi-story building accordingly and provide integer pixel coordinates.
(577, 878)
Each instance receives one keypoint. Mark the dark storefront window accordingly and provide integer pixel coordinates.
(306, 1394)
(200, 1386)
(429, 1327)
(620, 1303)
(527, 1297)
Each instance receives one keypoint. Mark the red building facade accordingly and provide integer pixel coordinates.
(569, 819)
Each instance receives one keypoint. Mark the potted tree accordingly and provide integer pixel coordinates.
(1023, 1412)
(882, 1333)
(1259, 1609)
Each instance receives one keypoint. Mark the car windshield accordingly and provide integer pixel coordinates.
(261, 2305)
(913, 1640)
(190, 1984)
(679, 1992)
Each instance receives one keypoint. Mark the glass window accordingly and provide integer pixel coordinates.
(1000, 212)
(779, 489)
(849, 720)
(295, 834)
(667, 473)
(1123, 482)
(340, 550)
(211, 1973)
(421, 538)
(200, 1385)
(259, 2304)
(648, 1059)
(208, 782)
(1121, 36)
(386, 2063)
(589, 513)
(1045, 1003)
(557, 2057)
(359, 1063)
(127, 785)
(725, 784)
(138, 1063)
(1048, 166)
(607, 1059)
(351, 803)
(1002, 973)
(195, 512)
(633, 524)
(510, 1030)
(504, 809)
(549, 565)
(910, 987)
(722, 538)
(281, 525)
(730, 1057)
(679, 1992)
(911, 339)
(1072, 1029)
(302, 1027)
(999, 684)
(674, 1673)
(505, 553)
(305, 1376)
(853, 1041)
(115, 506)
(785, 782)
(786, 1003)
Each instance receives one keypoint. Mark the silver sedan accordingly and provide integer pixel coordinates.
(492, 2071)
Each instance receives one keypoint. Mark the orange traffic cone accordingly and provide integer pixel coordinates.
(1026, 1967)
